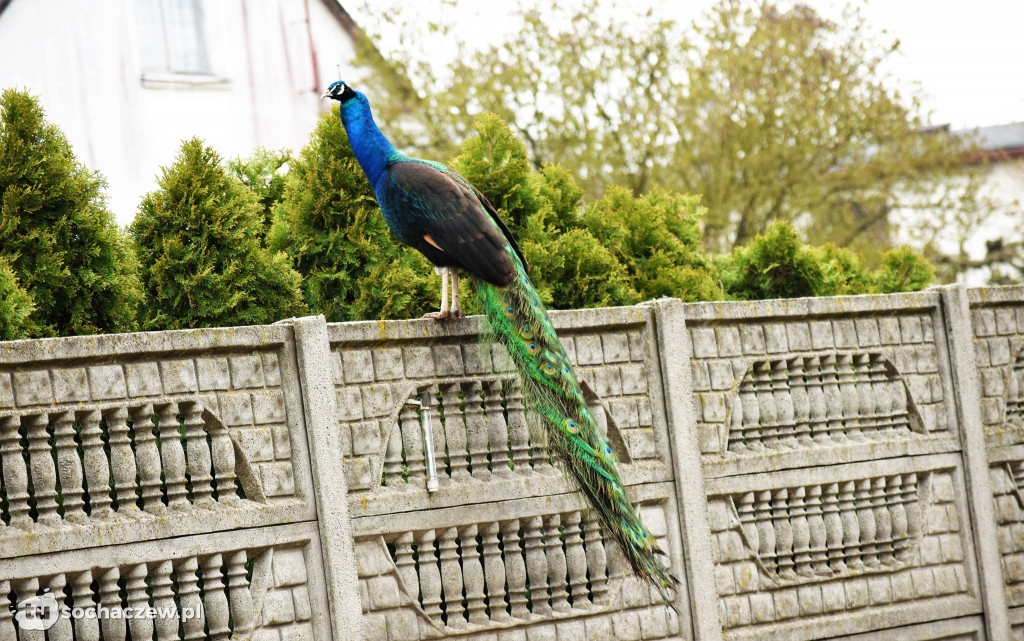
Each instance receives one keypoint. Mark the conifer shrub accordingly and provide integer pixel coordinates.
(329, 224)
(203, 264)
(774, 264)
(903, 270)
(842, 271)
(657, 238)
(619, 250)
(777, 264)
(263, 172)
(15, 305)
(60, 242)
(496, 163)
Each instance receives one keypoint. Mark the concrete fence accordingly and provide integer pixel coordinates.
(815, 468)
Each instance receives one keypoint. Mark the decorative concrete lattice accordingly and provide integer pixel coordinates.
(1007, 488)
(810, 381)
(810, 401)
(879, 533)
(476, 387)
(241, 394)
(999, 357)
(864, 543)
(231, 593)
(511, 576)
(827, 531)
(997, 321)
(166, 470)
(88, 442)
(103, 459)
(533, 568)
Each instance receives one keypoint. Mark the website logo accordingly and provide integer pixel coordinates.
(38, 612)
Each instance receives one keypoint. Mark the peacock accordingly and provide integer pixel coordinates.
(438, 212)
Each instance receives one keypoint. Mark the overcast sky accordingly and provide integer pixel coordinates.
(968, 56)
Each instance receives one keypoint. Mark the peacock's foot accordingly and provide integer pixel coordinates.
(456, 314)
(445, 315)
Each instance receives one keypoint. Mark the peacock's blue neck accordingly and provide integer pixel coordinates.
(371, 148)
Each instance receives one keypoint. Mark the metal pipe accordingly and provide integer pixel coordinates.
(428, 438)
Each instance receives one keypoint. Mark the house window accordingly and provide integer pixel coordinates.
(171, 37)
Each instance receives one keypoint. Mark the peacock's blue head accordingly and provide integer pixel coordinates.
(339, 91)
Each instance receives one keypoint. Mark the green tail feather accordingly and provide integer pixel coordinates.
(520, 323)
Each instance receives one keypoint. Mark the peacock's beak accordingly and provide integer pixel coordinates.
(326, 94)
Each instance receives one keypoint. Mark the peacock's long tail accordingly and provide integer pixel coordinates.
(520, 323)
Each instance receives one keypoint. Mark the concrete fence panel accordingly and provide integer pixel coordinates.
(817, 468)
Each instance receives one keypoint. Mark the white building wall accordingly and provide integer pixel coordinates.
(1004, 186)
(82, 60)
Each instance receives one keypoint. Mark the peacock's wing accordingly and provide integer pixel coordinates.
(449, 215)
(496, 218)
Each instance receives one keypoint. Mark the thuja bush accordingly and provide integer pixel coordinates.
(199, 242)
(617, 250)
(69, 268)
(777, 264)
(264, 173)
(329, 224)
(15, 305)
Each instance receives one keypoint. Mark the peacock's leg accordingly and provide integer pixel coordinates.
(444, 313)
(456, 312)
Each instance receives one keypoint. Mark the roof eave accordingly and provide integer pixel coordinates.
(339, 13)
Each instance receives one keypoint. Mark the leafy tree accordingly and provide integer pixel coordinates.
(15, 305)
(203, 265)
(769, 113)
(262, 173)
(56, 235)
(329, 224)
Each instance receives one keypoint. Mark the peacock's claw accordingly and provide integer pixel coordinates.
(456, 314)
(445, 315)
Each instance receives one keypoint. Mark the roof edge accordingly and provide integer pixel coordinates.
(336, 10)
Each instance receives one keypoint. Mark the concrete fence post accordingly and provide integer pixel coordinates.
(956, 311)
(330, 488)
(674, 356)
